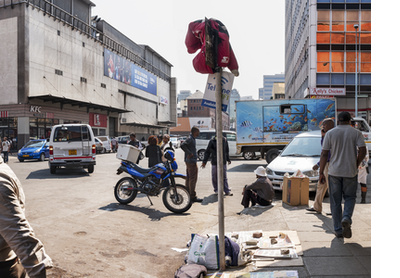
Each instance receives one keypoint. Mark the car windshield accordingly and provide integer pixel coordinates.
(34, 144)
(303, 147)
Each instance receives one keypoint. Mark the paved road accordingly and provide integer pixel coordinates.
(88, 234)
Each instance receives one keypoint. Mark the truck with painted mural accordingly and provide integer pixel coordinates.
(267, 126)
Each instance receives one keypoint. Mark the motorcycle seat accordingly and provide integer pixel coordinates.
(140, 169)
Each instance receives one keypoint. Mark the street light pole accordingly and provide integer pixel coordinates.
(356, 73)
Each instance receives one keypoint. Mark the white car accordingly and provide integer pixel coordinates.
(106, 143)
(175, 142)
(302, 153)
(206, 135)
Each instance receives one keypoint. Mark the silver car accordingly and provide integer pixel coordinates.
(302, 153)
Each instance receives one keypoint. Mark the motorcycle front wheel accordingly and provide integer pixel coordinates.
(177, 201)
(125, 190)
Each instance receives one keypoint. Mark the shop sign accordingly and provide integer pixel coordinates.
(35, 109)
(97, 120)
(327, 91)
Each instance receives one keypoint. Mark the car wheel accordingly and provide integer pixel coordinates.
(90, 169)
(103, 150)
(20, 160)
(248, 155)
(52, 170)
(200, 155)
(42, 157)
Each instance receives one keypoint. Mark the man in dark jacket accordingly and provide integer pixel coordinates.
(212, 150)
(259, 192)
(189, 147)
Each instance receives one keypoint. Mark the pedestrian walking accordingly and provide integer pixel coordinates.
(153, 151)
(327, 124)
(259, 192)
(20, 250)
(212, 151)
(136, 143)
(189, 147)
(362, 177)
(5, 149)
(342, 142)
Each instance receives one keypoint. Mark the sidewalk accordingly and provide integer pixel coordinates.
(324, 255)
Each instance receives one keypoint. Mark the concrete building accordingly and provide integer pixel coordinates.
(65, 66)
(322, 38)
(268, 82)
(278, 90)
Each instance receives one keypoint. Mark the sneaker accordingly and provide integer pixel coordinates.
(229, 194)
(338, 235)
(346, 226)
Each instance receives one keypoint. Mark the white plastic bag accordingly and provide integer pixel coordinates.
(204, 251)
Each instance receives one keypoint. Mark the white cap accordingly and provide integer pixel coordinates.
(261, 171)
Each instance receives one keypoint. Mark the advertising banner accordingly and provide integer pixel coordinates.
(123, 70)
(209, 93)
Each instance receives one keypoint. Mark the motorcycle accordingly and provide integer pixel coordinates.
(151, 181)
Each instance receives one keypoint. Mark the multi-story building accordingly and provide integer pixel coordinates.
(278, 90)
(268, 82)
(61, 65)
(328, 52)
(235, 96)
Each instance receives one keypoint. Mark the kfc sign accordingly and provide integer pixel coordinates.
(97, 120)
(327, 91)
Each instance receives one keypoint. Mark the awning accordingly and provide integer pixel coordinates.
(88, 105)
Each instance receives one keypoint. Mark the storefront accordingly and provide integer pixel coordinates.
(20, 123)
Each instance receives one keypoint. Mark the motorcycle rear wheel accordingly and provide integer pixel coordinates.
(178, 203)
(124, 190)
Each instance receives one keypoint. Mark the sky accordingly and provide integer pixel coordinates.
(256, 30)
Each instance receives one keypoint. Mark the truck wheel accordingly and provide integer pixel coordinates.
(271, 155)
(248, 155)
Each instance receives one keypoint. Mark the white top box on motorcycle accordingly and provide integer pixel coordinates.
(128, 152)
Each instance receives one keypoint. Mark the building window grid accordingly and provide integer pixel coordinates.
(330, 31)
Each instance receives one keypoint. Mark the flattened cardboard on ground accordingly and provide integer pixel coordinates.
(295, 191)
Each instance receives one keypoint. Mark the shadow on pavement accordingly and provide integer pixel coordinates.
(61, 173)
(246, 167)
(153, 214)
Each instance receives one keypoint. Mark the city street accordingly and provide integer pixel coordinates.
(88, 234)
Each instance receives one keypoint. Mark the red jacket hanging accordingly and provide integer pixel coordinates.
(195, 40)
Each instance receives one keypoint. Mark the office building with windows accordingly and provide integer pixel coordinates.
(63, 65)
(328, 52)
(268, 83)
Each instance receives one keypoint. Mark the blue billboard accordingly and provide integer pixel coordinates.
(123, 70)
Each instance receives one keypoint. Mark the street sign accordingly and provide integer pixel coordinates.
(209, 93)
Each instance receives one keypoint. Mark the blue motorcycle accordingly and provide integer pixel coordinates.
(151, 181)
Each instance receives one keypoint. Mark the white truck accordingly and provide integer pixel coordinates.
(267, 126)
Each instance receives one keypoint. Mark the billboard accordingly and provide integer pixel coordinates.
(123, 70)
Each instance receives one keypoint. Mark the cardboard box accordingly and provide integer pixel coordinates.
(128, 152)
(295, 191)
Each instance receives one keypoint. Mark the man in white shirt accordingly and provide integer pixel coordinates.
(5, 148)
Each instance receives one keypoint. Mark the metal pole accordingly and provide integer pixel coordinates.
(220, 169)
(356, 81)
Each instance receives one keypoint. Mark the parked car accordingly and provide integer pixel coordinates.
(123, 139)
(175, 142)
(182, 139)
(34, 149)
(302, 153)
(206, 135)
(106, 143)
(99, 145)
